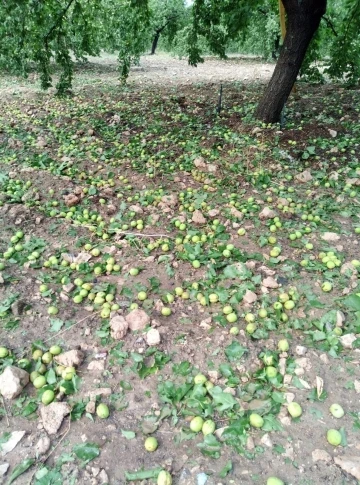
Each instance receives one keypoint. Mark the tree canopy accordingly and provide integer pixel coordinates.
(39, 35)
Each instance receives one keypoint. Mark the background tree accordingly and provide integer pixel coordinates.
(39, 35)
(166, 18)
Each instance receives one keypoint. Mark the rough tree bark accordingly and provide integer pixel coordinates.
(156, 40)
(303, 19)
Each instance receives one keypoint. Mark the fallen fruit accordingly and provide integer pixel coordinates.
(256, 420)
(48, 397)
(164, 478)
(274, 481)
(39, 382)
(337, 411)
(200, 379)
(196, 424)
(294, 409)
(3, 352)
(151, 444)
(283, 345)
(55, 350)
(102, 411)
(208, 427)
(334, 437)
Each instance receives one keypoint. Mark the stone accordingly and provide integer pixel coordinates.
(170, 200)
(303, 177)
(300, 350)
(3, 469)
(72, 358)
(71, 200)
(101, 391)
(198, 217)
(17, 307)
(303, 363)
(269, 282)
(102, 477)
(350, 464)
(256, 130)
(43, 445)
(236, 213)
(330, 236)
(14, 438)
(91, 407)
(53, 415)
(213, 212)
(137, 320)
(119, 327)
(68, 287)
(266, 440)
(347, 340)
(267, 213)
(96, 365)
(332, 133)
(199, 162)
(153, 337)
(136, 208)
(12, 381)
(249, 297)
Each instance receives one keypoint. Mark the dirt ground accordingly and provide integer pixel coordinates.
(180, 158)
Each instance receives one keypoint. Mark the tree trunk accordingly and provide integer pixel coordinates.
(155, 42)
(303, 19)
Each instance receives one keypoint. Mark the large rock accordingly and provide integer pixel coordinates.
(304, 176)
(153, 337)
(11, 442)
(12, 381)
(198, 217)
(321, 455)
(137, 320)
(269, 282)
(350, 464)
(53, 415)
(267, 213)
(43, 445)
(330, 237)
(72, 358)
(119, 327)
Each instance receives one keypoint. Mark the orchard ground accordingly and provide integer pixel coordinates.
(214, 212)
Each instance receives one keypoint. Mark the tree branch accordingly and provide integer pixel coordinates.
(330, 25)
(58, 21)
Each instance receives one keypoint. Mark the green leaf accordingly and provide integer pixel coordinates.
(77, 410)
(129, 435)
(50, 477)
(86, 451)
(20, 469)
(4, 438)
(222, 400)
(238, 271)
(56, 324)
(226, 470)
(352, 302)
(210, 446)
(235, 351)
(51, 376)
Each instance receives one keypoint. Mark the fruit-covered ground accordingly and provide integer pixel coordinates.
(196, 265)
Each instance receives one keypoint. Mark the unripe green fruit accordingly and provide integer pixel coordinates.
(48, 397)
(256, 420)
(164, 478)
(3, 352)
(208, 427)
(102, 411)
(196, 424)
(200, 379)
(151, 444)
(294, 409)
(334, 437)
(39, 382)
